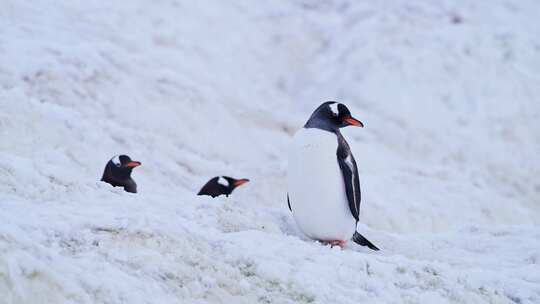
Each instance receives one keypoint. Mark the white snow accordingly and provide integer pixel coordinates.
(448, 92)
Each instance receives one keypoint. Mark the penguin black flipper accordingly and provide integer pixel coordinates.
(348, 167)
(362, 241)
(289, 202)
(351, 179)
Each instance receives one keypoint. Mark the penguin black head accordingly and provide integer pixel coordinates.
(118, 173)
(221, 185)
(331, 116)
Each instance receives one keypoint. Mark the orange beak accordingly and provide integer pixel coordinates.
(240, 182)
(133, 164)
(353, 122)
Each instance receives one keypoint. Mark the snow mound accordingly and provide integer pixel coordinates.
(448, 158)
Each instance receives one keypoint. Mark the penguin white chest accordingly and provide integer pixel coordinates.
(316, 189)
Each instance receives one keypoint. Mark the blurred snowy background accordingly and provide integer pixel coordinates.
(448, 90)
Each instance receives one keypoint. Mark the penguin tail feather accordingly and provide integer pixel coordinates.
(362, 241)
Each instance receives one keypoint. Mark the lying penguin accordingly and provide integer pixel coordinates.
(221, 185)
(118, 173)
(323, 182)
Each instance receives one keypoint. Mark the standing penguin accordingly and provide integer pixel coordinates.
(323, 182)
(221, 185)
(118, 173)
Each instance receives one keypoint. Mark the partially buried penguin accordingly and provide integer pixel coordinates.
(323, 181)
(118, 173)
(221, 185)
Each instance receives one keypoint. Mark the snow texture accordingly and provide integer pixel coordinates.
(449, 165)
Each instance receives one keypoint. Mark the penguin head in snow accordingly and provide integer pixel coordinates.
(118, 172)
(221, 185)
(331, 116)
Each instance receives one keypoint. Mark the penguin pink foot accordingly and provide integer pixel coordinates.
(332, 244)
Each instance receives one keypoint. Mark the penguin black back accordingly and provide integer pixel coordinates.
(118, 173)
(221, 185)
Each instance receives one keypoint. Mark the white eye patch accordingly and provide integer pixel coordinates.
(334, 108)
(116, 160)
(222, 181)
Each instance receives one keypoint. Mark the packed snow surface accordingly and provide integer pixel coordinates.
(449, 158)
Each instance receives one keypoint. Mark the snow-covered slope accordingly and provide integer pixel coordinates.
(448, 92)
